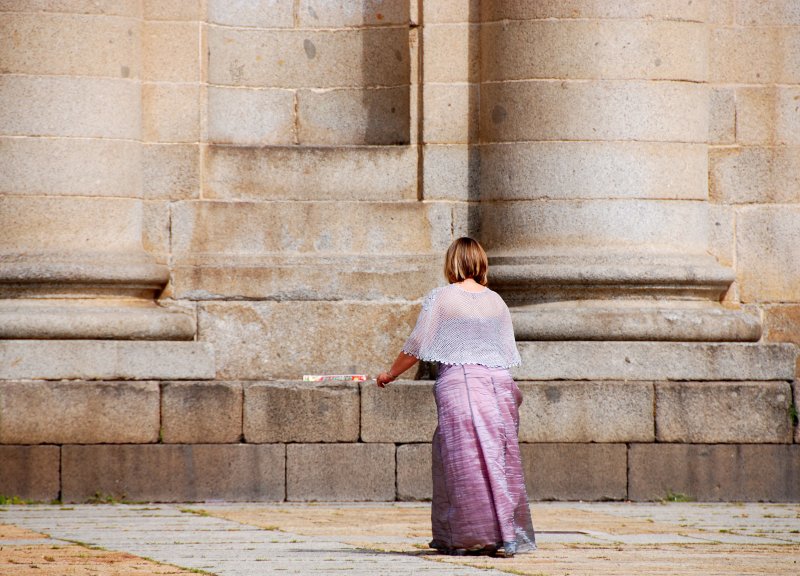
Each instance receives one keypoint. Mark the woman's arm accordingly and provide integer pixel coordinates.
(401, 364)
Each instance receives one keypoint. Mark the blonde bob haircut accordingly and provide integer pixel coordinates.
(465, 258)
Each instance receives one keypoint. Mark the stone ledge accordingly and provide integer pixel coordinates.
(38, 412)
(715, 472)
(340, 472)
(575, 471)
(30, 472)
(571, 360)
(294, 411)
(723, 412)
(201, 412)
(563, 411)
(174, 473)
(404, 411)
(105, 360)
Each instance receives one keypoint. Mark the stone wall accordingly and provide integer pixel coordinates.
(203, 200)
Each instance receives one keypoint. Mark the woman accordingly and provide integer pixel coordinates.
(479, 500)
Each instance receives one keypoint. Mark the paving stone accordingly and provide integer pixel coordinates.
(414, 480)
(104, 359)
(575, 471)
(201, 412)
(37, 412)
(655, 360)
(301, 412)
(29, 472)
(403, 411)
(173, 473)
(586, 412)
(723, 412)
(340, 472)
(714, 472)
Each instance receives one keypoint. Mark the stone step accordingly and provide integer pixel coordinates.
(588, 360)
(105, 360)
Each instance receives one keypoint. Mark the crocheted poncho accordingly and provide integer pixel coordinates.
(460, 327)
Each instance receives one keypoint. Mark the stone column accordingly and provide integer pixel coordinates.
(594, 127)
(72, 263)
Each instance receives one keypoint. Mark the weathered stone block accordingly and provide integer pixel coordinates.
(258, 13)
(655, 361)
(453, 11)
(171, 112)
(171, 171)
(155, 230)
(70, 106)
(327, 14)
(78, 412)
(174, 473)
(340, 472)
(772, 230)
(722, 118)
(353, 116)
(272, 339)
(104, 359)
(709, 472)
(172, 9)
(449, 113)
(768, 115)
(113, 169)
(575, 471)
(109, 7)
(324, 277)
(769, 175)
(772, 13)
(782, 323)
(451, 53)
(404, 411)
(586, 412)
(301, 412)
(170, 51)
(594, 110)
(303, 173)
(414, 480)
(309, 59)
(451, 172)
(721, 234)
(250, 117)
(526, 170)
(201, 412)
(649, 9)
(69, 44)
(30, 472)
(580, 49)
(256, 229)
(721, 12)
(754, 55)
(629, 224)
(723, 412)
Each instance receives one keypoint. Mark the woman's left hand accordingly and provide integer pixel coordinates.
(383, 379)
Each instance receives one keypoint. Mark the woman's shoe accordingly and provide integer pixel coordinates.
(509, 549)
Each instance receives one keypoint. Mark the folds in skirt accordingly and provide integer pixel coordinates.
(479, 496)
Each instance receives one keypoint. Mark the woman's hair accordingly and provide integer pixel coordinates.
(466, 259)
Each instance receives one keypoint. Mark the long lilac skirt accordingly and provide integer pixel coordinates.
(479, 496)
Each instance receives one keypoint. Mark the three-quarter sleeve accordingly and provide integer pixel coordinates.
(425, 330)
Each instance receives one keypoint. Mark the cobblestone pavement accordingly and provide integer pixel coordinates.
(247, 539)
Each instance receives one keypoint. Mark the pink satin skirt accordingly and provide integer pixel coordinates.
(479, 496)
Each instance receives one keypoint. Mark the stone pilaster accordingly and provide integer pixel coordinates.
(594, 125)
(72, 263)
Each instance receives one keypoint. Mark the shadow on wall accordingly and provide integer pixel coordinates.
(385, 47)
